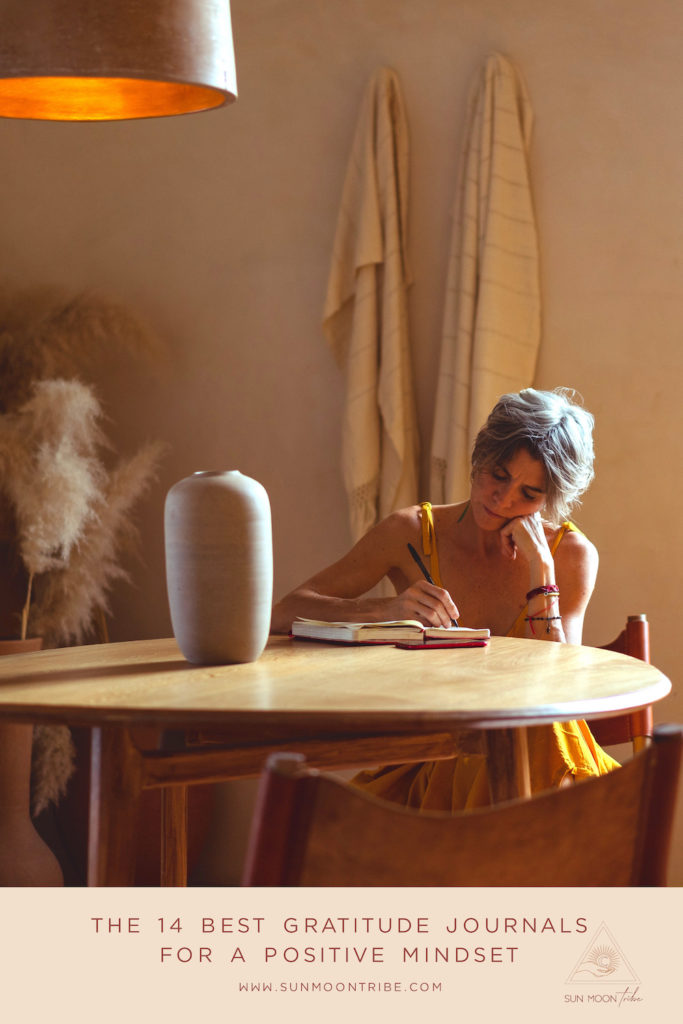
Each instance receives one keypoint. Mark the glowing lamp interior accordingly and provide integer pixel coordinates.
(98, 99)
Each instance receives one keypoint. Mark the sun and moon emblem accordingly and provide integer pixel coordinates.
(601, 960)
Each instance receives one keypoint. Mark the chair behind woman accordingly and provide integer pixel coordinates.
(633, 727)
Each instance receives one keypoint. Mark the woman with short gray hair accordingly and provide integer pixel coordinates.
(507, 558)
(555, 430)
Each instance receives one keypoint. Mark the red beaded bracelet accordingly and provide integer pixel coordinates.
(551, 589)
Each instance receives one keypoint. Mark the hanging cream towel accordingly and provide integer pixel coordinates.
(492, 312)
(365, 315)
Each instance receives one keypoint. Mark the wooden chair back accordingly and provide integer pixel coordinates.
(310, 829)
(633, 727)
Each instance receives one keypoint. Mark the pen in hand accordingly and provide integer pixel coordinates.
(425, 572)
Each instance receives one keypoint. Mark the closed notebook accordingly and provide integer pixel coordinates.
(400, 632)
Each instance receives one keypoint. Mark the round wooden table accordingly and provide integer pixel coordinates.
(342, 706)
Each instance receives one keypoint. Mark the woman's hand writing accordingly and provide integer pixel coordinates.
(431, 605)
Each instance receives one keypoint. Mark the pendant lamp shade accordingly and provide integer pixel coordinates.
(108, 60)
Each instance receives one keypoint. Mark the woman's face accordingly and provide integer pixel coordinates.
(504, 492)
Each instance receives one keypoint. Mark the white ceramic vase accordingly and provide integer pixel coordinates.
(219, 566)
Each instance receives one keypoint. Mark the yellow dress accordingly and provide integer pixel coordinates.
(555, 751)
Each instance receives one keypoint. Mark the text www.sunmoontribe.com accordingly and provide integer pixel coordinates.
(377, 987)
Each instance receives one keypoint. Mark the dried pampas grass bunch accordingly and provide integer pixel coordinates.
(69, 598)
(72, 514)
(65, 501)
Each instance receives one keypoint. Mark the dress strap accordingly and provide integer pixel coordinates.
(567, 527)
(429, 541)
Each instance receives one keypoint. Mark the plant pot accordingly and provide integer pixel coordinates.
(24, 858)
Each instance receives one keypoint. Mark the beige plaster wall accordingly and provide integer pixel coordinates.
(217, 228)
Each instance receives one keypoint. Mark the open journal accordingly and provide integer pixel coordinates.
(401, 633)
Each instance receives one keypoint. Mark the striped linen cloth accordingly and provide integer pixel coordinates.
(365, 314)
(492, 312)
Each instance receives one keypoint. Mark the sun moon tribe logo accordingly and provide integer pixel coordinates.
(603, 961)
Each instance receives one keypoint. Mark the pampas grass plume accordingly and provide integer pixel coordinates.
(52, 475)
(68, 599)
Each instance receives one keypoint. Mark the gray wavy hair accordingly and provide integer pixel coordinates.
(555, 429)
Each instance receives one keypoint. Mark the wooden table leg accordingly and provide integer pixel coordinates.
(522, 768)
(174, 835)
(508, 764)
(115, 786)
